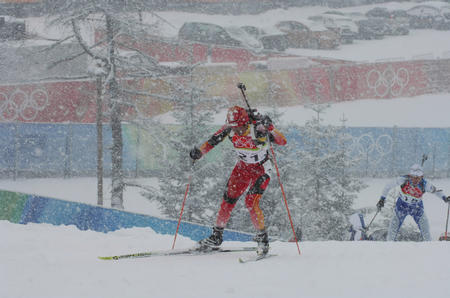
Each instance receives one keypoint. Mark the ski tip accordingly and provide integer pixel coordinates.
(109, 258)
(241, 260)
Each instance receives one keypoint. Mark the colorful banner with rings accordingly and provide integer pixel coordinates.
(388, 81)
(20, 105)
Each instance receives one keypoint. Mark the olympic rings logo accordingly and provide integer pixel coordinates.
(388, 81)
(371, 149)
(19, 104)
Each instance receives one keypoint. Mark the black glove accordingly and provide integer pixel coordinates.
(264, 124)
(380, 203)
(266, 121)
(253, 115)
(195, 153)
(446, 199)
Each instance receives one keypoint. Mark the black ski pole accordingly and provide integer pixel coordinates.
(242, 87)
(367, 228)
(250, 110)
(446, 225)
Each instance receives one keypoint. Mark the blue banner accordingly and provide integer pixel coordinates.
(33, 150)
(36, 209)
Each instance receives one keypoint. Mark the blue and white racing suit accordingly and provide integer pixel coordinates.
(409, 202)
(358, 228)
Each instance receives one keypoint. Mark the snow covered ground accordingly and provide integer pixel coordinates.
(61, 261)
(54, 262)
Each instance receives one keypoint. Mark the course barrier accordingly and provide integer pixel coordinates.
(26, 208)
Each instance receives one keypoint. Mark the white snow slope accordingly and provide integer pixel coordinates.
(40, 260)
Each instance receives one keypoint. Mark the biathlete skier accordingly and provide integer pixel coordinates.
(250, 138)
(409, 201)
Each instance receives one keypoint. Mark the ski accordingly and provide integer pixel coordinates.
(256, 258)
(174, 252)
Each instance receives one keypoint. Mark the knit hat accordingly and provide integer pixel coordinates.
(416, 171)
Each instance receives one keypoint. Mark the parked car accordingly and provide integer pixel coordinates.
(399, 14)
(11, 28)
(365, 30)
(443, 21)
(423, 16)
(270, 41)
(345, 27)
(371, 28)
(395, 23)
(308, 35)
(378, 12)
(394, 27)
(446, 11)
(215, 34)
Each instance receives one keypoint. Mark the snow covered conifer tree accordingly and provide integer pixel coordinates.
(346, 186)
(328, 189)
(321, 185)
(119, 23)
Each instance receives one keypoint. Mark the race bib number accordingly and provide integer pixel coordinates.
(249, 156)
(411, 191)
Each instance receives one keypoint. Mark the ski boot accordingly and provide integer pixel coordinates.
(212, 242)
(263, 243)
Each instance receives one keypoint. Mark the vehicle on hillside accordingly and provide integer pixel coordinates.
(275, 40)
(378, 12)
(345, 27)
(308, 34)
(371, 28)
(217, 35)
(423, 16)
(399, 13)
(396, 22)
(443, 22)
(12, 28)
(394, 27)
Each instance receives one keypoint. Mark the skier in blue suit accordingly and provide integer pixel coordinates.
(409, 202)
(358, 229)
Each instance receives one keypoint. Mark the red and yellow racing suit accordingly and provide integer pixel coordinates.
(252, 170)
